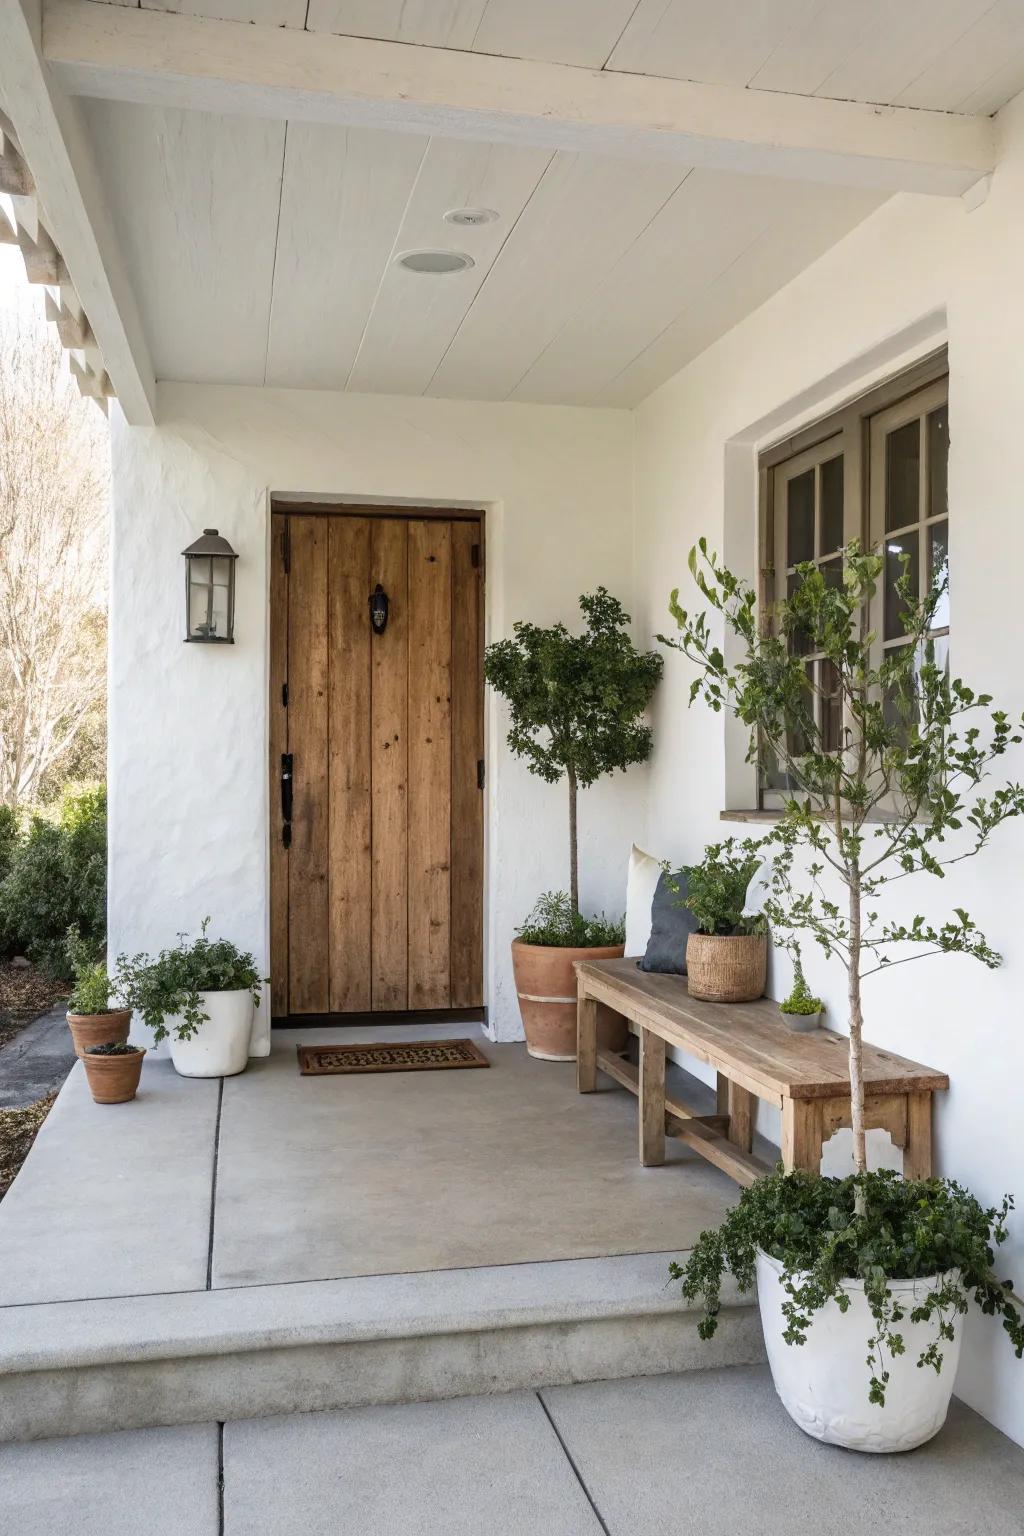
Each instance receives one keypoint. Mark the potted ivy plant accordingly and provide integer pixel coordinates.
(201, 997)
(91, 1018)
(871, 1268)
(575, 704)
(727, 957)
(113, 1070)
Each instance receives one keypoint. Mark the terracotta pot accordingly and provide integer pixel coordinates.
(546, 986)
(99, 1028)
(113, 1079)
(726, 968)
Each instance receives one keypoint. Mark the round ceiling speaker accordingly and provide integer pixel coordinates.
(435, 262)
(470, 217)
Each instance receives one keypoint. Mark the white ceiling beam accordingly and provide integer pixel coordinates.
(59, 161)
(127, 53)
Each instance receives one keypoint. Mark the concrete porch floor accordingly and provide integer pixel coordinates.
(709, 1452)
(271, 1178)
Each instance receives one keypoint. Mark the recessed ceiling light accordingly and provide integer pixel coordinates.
(435, 262)
(471, 216)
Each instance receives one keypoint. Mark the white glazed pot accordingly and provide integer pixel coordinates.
(823, 1383)
(220, 1046)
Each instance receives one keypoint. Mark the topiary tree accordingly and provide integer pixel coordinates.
(576, 701)
(893, 792)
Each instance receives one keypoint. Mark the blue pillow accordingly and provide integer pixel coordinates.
(671, 926)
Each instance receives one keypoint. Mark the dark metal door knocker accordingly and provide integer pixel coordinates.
(379, 606)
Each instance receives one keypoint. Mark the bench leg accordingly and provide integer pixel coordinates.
(917, 1152)
(586, 1043)
(742, 1108)
(652, 1099)
(802, 1134)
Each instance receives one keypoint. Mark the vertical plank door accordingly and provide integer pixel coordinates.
(430, 763)
(278, 746)
(467, 820)
(309, 854)
(389, 768)
(350, 640)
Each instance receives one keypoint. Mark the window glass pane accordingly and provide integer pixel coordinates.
(198, 609)
(899, 706)
(800, 518)
(831, 705)
(832, 570)
(799, 639)
(831, 506)
(938, 566)
(902, 476)
(938, 457)
(902, 553)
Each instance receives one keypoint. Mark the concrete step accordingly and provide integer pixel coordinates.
(190, 1357)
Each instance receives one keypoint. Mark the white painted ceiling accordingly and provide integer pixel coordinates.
(265, 253)
(952, 55)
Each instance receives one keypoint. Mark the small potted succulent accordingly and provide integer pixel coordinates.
(113, 1070)
(727, 958)
(91, 1018)
(801, 1010)
(201, 997)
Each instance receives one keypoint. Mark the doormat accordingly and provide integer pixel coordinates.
(385, 1056)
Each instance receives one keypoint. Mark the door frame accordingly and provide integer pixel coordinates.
(281, 503)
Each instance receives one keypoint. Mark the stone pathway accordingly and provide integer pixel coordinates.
(708, 1453)
(35, 1063)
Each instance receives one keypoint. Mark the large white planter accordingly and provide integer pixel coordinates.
(220, 1046)
(823, 1383)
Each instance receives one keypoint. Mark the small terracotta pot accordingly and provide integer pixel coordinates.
(726, 968)
(113, 1079)
(546, 986)
(99, 1028)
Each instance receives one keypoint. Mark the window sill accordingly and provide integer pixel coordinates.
(878, 818)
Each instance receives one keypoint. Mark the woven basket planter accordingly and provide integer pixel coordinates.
(729, 968)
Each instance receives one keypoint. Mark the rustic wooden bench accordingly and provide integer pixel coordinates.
(805, 1076)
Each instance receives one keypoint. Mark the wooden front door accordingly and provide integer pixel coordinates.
(377, 836)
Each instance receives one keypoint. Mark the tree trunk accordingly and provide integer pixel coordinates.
(856, 1039)
(574, 873)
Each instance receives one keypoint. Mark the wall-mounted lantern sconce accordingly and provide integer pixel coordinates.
(210, 590)
(379, 606)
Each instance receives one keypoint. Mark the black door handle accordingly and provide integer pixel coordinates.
(286, 786)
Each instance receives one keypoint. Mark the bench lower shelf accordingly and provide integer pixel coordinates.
(706, 1134)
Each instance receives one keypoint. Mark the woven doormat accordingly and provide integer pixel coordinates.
(404, 1056)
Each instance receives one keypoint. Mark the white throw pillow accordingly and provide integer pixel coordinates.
(641, 883)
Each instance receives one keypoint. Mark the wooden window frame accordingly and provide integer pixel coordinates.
(847, 431)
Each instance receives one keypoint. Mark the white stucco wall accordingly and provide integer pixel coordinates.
(917, 272)
(188, 731)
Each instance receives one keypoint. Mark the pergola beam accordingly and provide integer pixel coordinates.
(132, 54)
(67, 239)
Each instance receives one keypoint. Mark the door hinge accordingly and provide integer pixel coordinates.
(284, 694)
(480, 773)
(474, 556)
(286, 547)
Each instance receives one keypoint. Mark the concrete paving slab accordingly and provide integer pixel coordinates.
(326, 1177)
(162, 1482)
(35, 1063)
(488, 1464)
(113, 1199)
(714, 1452)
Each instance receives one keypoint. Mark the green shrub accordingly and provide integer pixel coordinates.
(717, 888)
(93, 987)
(56, 880)
(554, 923)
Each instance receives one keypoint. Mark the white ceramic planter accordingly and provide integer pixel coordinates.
(823, 1383)
(220, 1046)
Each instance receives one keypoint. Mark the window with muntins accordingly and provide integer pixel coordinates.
(875, 471)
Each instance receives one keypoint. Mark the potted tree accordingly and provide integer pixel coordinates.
(727, 957)
(576, 704)
(868, 1268)
(201, 997)
(113, 1071)
(91, 1019)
